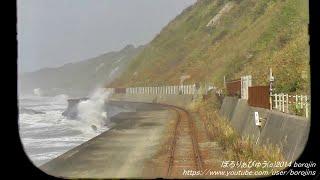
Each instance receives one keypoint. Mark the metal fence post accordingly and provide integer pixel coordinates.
(287, 96)
(276, 100)
(282, 102)
(187, 87)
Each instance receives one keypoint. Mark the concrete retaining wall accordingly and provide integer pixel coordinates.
(286, 131)
(228, 106)
(171, 99)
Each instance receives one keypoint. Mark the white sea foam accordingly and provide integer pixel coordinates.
(92, 113)
(55, 142)
(45, 156)
(48, 135)
(37, 92)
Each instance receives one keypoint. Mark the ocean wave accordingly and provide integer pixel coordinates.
(45, 136)
(29, 111)
(57, 141)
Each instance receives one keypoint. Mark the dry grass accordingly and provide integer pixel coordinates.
(235, 147)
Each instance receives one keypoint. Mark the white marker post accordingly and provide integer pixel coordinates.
(257, 119)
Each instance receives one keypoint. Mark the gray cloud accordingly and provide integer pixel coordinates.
(54, 32)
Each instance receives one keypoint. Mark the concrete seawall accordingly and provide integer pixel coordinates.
(289, 132)
(126, 150)
(170, 99)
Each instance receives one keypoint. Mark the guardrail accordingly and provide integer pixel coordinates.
(182, 89)
(175, 89)
(291, 103)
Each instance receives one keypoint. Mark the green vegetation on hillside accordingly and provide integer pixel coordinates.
(249, 39)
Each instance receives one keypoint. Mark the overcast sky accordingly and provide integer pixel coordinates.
(54, 32)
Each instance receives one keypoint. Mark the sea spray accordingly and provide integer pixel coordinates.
(37, 92)
(60, 99)
(49, 134)
(92, 113)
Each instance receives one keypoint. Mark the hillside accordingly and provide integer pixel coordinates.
(78, 78)
(216, 38)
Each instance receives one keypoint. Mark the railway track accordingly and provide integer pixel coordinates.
(184, 148)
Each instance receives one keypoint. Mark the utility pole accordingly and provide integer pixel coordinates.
(271, 80)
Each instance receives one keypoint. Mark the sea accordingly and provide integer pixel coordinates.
(45, 133)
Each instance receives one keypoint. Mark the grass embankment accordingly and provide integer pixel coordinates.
(249, 39)
(235, 147)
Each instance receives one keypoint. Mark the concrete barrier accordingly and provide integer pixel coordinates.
(289, 132)
(171, 99)
(72, 111)
(228, 106)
